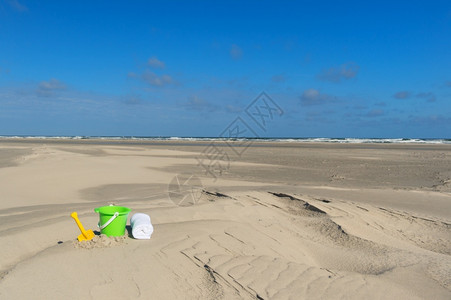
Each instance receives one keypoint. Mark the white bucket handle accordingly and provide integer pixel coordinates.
(109, 221)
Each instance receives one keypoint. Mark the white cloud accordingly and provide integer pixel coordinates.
(375, 113)
(156, 80)
(431, 120)
(233, 109)
(132, 75)
(132, 99)
(278, 78)
(48, 88)
(402, 95)
(156, 63)
(310, 94)
(17, 6)
(199, 104)
(314, 97)
(153, 78)
(430, 97)
(337, 74)
(236, 52)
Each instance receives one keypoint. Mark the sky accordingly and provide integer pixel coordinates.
(359, 69)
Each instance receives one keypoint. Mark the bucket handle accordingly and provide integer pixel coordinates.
(109, 221)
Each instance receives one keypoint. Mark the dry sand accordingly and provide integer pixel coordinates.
(283, 221)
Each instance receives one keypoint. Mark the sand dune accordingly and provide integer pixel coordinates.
(248, 236)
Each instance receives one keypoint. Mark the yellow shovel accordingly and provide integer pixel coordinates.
(85, 235)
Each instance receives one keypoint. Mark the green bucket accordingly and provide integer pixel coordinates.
(113, 219)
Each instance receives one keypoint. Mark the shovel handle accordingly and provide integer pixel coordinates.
(82, 229)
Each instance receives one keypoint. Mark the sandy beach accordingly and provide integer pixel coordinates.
(232, 221)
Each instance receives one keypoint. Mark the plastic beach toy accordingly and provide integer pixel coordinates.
(85, 235)
(112, 219)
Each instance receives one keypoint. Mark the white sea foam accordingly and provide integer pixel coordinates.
(275, 139)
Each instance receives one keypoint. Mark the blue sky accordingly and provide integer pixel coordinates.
(174, 68)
